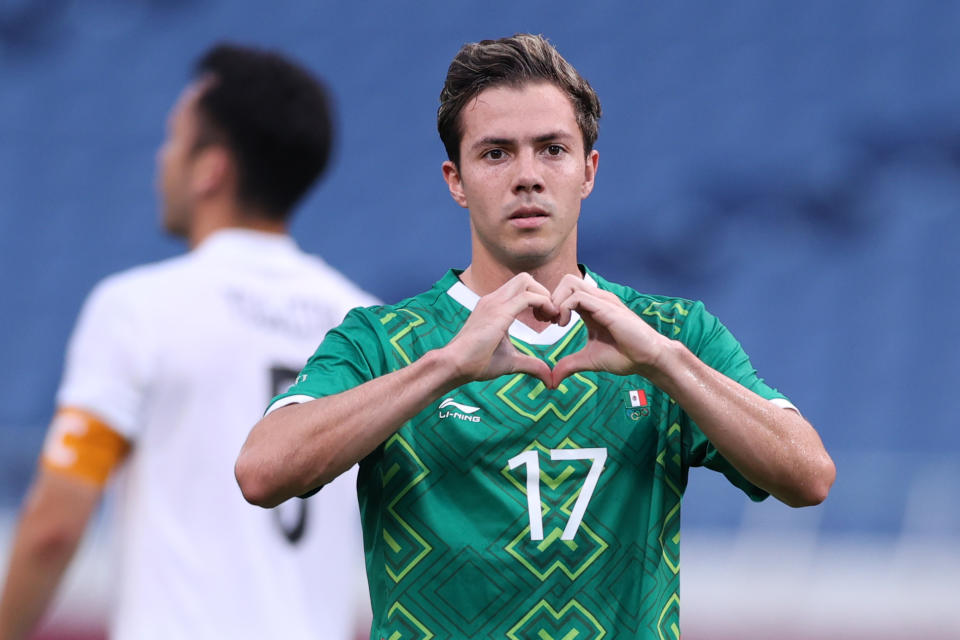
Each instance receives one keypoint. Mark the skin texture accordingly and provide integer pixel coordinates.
(523, 174)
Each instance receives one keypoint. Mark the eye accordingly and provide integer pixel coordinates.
(494, 154)
(554, 149)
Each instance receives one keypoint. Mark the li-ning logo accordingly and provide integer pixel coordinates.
(457, 410)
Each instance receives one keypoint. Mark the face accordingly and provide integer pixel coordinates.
(174, 163)
(523, 174)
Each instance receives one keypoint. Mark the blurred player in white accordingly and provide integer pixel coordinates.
(168, 366)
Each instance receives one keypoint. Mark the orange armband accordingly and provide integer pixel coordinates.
(83, 446)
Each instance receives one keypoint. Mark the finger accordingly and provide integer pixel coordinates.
(544, 310)
(582, 301)
(569, 284)
(564, 290)
(580, 290)
(522, 282)
(534, 367)
(494, 310)
(597, 302)
(543, 307)
(568, 366)
(546, 314)
(562, 299)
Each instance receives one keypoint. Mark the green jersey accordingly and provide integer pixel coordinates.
(509, 510)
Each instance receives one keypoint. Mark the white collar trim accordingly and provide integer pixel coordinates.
(551, 335)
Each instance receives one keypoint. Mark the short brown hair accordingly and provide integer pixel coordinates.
(513, 61)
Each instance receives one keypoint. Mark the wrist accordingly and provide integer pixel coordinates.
(666, 365)
(439, 368)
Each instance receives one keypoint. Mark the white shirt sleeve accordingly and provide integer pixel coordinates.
(107, 365)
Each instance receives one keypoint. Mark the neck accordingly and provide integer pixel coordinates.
(230, 218)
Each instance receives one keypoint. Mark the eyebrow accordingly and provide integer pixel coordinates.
(493, 141)
(490, 141)
(553, 135)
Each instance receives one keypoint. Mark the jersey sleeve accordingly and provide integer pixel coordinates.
(713, 343)
(349, 355)
(107, 366)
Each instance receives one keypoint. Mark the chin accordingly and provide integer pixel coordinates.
(528, 261)
(174, 226)
(177, 232)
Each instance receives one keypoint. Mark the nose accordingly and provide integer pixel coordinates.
(528, 173)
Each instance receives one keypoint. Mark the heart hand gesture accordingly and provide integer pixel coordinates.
(618, 340)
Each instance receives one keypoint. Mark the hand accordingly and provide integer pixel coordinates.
(482, 349)
(618, 340)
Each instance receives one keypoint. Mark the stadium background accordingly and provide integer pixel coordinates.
(794, 165)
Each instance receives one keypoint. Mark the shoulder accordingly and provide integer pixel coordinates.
(658, 310)
(384, 314)
(428, 303)
(675, 317)
(138, 285)
(412, 315)
(333, 284)
(681, 319)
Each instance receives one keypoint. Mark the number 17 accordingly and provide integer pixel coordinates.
(532, 460)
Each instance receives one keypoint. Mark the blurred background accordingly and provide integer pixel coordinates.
(796, 166)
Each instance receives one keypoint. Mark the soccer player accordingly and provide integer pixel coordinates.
(525, 428)
(170, 363)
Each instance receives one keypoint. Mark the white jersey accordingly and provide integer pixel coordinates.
(180, 357)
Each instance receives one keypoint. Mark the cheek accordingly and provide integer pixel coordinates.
(576, 182)
(164, 168)
(165, 165)
(574, 173)
(479, 187)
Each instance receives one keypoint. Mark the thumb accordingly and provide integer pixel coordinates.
(534, 367)
(567, 366)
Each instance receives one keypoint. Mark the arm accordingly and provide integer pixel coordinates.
(300, 447)
(774, 448)
(54, 518)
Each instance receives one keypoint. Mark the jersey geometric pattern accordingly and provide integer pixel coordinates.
(572, 621)
(406, 625)
(667, 313)
(405, 321)
(519, 511)
(406, 548)
(524, 394)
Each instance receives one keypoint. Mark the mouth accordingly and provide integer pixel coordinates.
(528, 217)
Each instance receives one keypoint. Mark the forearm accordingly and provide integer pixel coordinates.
(299, 447)
(44, 543)
(31, 582)
(774, 448)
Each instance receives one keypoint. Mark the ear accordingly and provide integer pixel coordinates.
(211, 171)
(452, 177)
(589, 173)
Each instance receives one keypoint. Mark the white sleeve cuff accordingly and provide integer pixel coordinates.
(783, 403)
(288, 400)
